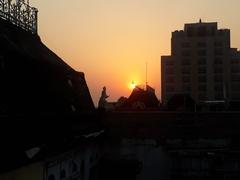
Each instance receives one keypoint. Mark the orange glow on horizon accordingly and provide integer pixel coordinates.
(110, 41)
(133, 85)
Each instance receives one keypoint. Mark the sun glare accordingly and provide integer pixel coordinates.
(132, 85)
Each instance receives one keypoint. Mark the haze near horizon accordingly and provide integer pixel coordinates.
(110, 41)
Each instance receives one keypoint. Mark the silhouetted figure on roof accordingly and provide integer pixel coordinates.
(102, 101)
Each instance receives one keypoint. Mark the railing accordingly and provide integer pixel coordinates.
(19, 13)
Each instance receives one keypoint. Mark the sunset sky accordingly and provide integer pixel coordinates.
(111, 40)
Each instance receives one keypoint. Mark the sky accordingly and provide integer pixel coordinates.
(111, 40)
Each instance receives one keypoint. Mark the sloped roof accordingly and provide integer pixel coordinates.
(36, 79)
(41, 98)
(139, 95)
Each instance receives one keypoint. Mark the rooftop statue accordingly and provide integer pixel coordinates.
(102, 101)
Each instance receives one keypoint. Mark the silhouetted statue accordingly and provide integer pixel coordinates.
(102, 101)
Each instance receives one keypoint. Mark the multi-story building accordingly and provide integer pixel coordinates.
(202, 64)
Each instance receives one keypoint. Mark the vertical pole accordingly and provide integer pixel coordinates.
(146, 75)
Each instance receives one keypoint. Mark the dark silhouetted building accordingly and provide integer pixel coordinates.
(46, 110)
(202, 64)
(35, 79)
(141, 99)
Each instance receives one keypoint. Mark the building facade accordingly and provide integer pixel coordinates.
(70, 165)
(202, 64)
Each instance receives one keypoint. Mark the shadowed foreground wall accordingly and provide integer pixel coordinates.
(31, 172)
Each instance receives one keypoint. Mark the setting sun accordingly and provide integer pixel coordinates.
(133, 85)
(112, 40)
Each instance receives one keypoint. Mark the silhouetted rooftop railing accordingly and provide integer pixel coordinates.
(19, 13)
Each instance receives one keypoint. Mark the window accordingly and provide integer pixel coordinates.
(202, 52)
(170, 71)
(185, 45)
(186, 62)
(73, 108)
(190, 31)
(91, 159)
(202, 79)
(96, 156)
(218, 51)
(218, 70)
(213, 31)
(170, 79)
(218, 61)
(202, 70)
(219, 96)
(236, 77)
(218, 87)
(51, 177)
(82, 169)
(202, 61)
(169, 95)
(202, 31)
(218, 78)
(201, 44)
(169, 63)
(2, 62)
(185, 79)
(80, 79)
(170, 88)
(218, 44)
(235, 69)
(202, 87)
(186, 88)
(62, 174)
(186, 53)
(74, 167)
(236, 86)
(235, 95)
(186, 70)
(205, 164)
(221, 32)
(2, 65)
(202, 96)
(70, 83)
(235, 61)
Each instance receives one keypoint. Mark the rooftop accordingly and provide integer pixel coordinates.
(201, 29)
(201, 24)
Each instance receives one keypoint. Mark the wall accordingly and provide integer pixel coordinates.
(31, 172)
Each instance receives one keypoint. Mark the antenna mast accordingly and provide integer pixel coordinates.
(146, 74)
